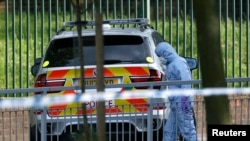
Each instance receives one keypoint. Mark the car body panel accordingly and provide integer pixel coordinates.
(132, 111)
(112, 74)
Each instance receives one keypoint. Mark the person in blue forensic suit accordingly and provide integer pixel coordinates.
(181, 118)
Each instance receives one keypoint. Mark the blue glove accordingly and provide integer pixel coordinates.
(184, 103)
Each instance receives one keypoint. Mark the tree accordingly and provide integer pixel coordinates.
(208, 33)
(78, 4)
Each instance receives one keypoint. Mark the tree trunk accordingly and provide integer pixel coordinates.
(211, 62)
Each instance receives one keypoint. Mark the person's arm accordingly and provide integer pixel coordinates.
(183, 73)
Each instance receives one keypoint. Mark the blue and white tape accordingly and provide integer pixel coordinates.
(42, 101)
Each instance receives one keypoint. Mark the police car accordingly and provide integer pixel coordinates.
(129, 58)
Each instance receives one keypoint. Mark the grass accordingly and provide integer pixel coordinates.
(26, 36)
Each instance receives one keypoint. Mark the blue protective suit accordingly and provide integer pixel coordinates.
(180, 120)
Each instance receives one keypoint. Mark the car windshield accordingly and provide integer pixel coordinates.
(117, 50)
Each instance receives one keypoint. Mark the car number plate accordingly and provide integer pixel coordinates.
(107, 81)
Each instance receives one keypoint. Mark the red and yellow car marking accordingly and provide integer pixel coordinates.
(120, 105)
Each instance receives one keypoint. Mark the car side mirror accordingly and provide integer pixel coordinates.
(35, 67)
(192, 62)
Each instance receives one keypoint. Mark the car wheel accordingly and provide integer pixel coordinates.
(66, 137)
(158, 135)
(34, 134)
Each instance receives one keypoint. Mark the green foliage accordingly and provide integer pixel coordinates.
(24, 37)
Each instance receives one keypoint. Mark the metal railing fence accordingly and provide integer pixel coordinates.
(29, 24)
(196, 83)
(16, 117)
(15, 122)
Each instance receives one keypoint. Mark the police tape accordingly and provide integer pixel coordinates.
(45, 100)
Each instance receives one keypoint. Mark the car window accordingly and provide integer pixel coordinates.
(157, 38)
(117, 49)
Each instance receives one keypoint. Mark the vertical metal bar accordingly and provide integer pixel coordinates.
(49, 19)
(42, 28)
(116, 133)
(93, 12)
(57, 126)
(192, 29)
(248, 38)
(35, 29)
(148, 9)
(142, 8)
(233, 39)
(28, 44)
(107, 9)
(136, 8)
(6, 42)
(124, 107)
(128, 6)
(220, 17)
(43, 120)
(109, 127)
(192, 36)
(20, 45)
(170, 21)
(13, 44)
(150, 119)
(86, 6)
(135, 112)
(57, 16)
(177, 26)
(114, 8)
(226, 40)
(64, 10)
(100, 5)
(157, 14)
(121, 6)
(130, 126)
(219, 11)
(71, 12)
(184, 28)
(163, 19)
(240, 43)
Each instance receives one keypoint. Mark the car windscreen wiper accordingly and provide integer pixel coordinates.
(114, 61)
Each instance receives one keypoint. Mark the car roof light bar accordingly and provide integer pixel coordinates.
(139, 21)
(111, 22)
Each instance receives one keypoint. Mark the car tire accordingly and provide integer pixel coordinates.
(34, 134)
(158, 135)
(66, 137)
